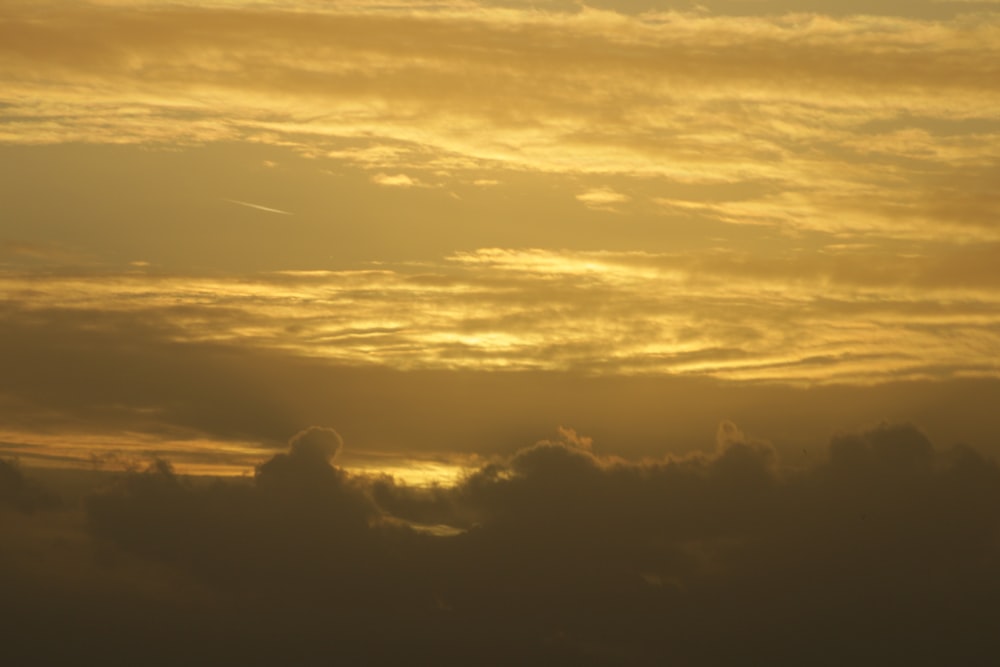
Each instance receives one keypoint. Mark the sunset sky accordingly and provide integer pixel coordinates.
(638, 232)
(224, 222)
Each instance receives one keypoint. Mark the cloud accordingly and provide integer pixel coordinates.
(301, 519)
(203, 370)
(258, 207)
(568, 554)
(316, 443)
(394, 180)
(602, 198)
(839, 120)
(19, 493)
(37, 251)
(306, 474)
(831, 314)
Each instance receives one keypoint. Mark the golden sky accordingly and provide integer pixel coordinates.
(795, 194)
(513, 332)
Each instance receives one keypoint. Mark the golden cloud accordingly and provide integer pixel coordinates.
(821, 109)
(857, 317)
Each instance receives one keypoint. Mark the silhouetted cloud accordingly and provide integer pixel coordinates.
(299, 518)
(20, 493)
(710, 558)
(883, 551)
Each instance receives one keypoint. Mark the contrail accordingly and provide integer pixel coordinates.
(257, 206)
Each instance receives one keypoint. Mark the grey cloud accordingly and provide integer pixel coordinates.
(878, 537)
(126, 370)
(295, 526)
(20, 493)
(316, 443)
(568, 556)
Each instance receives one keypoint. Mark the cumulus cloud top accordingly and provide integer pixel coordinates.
(316, 443)
(562, 553)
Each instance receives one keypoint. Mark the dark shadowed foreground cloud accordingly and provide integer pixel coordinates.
(886, 552)
(19, 493)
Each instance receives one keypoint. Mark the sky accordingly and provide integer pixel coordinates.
(442, 207)
(511, 264)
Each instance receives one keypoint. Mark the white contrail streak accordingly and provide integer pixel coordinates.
(257, 206)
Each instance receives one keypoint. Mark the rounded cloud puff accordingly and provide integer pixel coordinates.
(316, 443)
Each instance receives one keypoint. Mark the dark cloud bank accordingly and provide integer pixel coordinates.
(885, 551)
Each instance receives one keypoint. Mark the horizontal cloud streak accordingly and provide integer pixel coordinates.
(258, 207)
(857, 316)
(844, 125)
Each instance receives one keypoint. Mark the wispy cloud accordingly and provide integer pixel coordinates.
(37, 251)
(258, 207)
(395, 180)
(602, 198)
(853, 125)
(800, 317)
